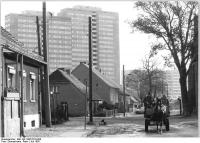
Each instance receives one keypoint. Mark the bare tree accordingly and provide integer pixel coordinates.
(136, 81)
(173, 22)
(150, 66)
(147, 79)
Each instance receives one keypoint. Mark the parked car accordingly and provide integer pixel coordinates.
(139, 110)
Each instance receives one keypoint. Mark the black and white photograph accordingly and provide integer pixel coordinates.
(98, 69)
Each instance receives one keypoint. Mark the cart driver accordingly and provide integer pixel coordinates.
(148, 101)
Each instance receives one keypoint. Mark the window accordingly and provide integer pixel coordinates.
(54, 88)
(10, 77)
(10, 80)
(33, 123)
(32, 87)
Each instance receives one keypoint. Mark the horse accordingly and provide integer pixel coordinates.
(159, 114)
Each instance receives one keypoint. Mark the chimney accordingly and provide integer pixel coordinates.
(82, 62)
(68, 71)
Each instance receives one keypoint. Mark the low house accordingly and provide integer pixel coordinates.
(67, 88)
(107, 89)
(21, 95)
(132, 101)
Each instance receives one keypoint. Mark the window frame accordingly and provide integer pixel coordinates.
(32, 85)
(11, 72)
(24, 86)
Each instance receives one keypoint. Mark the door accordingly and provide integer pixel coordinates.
(11, 117)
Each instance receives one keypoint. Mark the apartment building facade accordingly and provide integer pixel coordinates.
(173, 85)
(105, 38)
(23, 27)
(68, 37)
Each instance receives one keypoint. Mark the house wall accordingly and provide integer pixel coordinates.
(31, 115)
(114, 95)
(121, 103)
(70, 94)
(99, 87)
(31, 107)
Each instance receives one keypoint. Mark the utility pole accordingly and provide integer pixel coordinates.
(1, 89)
(41, 87)
(85, 103)
(22, 99)
(46, 72)
(90, 72)
(124, 92)
(38, 35)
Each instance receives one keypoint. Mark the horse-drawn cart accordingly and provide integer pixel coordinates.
(157, 115)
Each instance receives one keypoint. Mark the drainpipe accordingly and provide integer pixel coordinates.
(17, 73)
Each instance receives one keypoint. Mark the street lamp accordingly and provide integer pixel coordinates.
(53, 99)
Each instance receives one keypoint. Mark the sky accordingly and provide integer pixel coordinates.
(133, 46)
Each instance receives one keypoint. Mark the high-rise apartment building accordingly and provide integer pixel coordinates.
(23, 27)
(172, 79)
(68, 37)
(105, 38)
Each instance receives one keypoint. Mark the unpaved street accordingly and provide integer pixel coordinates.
(130, 126)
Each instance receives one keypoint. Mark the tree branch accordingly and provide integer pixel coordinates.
(188, 27)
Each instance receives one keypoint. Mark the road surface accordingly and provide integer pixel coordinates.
(129, 126)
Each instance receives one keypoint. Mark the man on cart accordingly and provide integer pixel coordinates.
(148, 104)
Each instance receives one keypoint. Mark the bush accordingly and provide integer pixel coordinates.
(139, 112)
(107, 106)
(100, 114)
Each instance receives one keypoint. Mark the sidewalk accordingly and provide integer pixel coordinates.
(72, 128)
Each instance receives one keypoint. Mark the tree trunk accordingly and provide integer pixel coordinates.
(185, 100)
(150, 84)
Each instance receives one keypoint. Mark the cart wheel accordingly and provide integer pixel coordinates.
(146, 125)
(167, 124)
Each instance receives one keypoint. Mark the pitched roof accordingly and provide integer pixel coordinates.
(11, 43)
(10, 37)
(106, 80)
(79, 85)
(134, 94)
(133, 99)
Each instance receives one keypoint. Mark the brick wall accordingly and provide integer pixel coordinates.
(70, 94)
(99, 87)
(29, 106)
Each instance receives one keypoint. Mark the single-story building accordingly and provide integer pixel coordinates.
(108, 90)
(132, 101)
(65, 87)
(21, 93)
